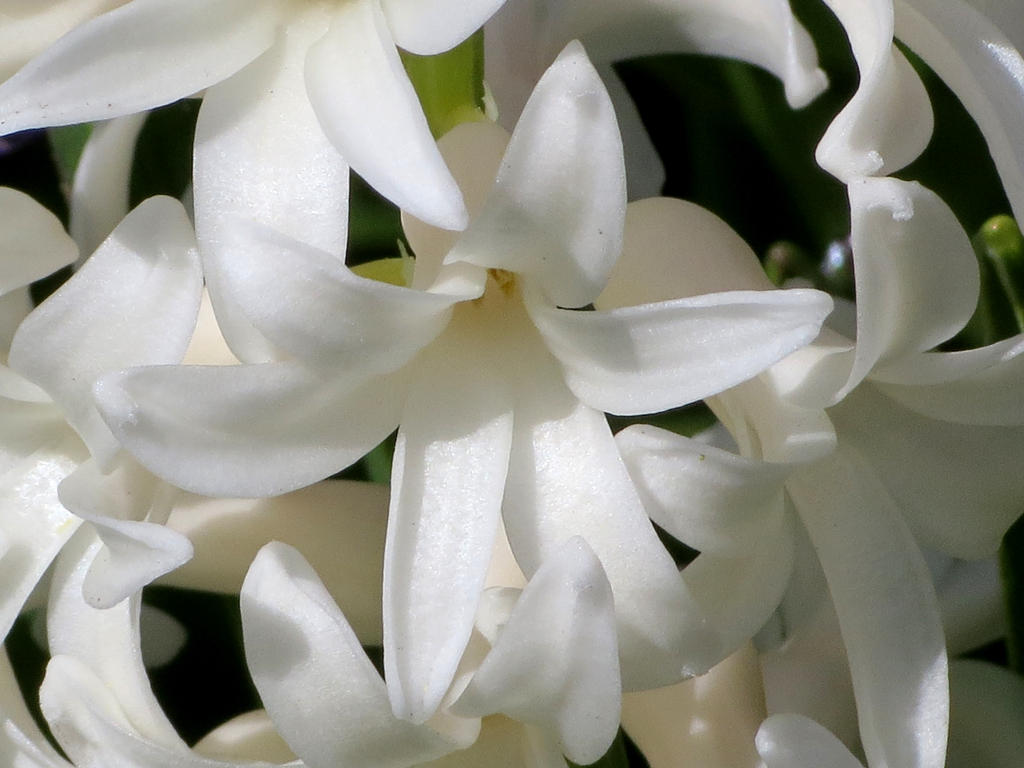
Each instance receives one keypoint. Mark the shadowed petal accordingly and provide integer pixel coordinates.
(32, 241)
(433, 26)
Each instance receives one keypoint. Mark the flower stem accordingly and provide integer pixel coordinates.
(450, 85)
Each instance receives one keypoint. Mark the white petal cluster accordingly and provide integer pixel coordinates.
(175, 413)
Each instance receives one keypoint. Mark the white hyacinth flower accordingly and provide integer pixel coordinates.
(498, 390)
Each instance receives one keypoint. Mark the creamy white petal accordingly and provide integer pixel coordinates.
(566, 479)
(975, 47)
(22, 744)
(555, 663)
(260, 154)
(247, 430)
(141, 55)
(448, 480)
(795, 741)
(320, 689)
(30, 26)
(887, 610)
(889, 120)
(321, 521)
(133, 303)
(14, 307)
(971, 599)
(32, 241)
(652, 357)
(435, 26)
(249, 736)
(34, 525)
(557, 208)
(99, 195)
(959, 487)
(369, 111)
(711, 719)
(984, 723)
(713, 500)
(976, 386)
(504, 743)
(916, 272)
(674, 249)
(107, 642)
(310, 305)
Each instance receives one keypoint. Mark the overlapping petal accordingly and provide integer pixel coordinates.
(134, 302)
(141, 55)
(536, 222)
(32, 241)
(257, 430)
(368, 109)
(427, 28)
(324, 695)
(795, 741)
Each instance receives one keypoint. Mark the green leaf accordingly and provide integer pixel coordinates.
(450, 85)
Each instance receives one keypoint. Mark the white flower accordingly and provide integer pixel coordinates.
(134, 301)
(494, 385)
(525, 36)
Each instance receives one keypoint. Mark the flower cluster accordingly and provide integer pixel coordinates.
(401, 469)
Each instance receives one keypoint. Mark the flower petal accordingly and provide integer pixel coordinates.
(566, 479)
(320, 689)
(249, 736)
(32, 241)
(432, 27)
(448, 480)
(887, 610)
(247, 430)
(34, 525)
(555, 663)
(99, 196)
(314, 308)
(321, 520)
(139, 56)
(653, 357)
(133, 303)
(958, 486)
(369, 111)
(556, 211)
(795, 741)
(889, 120)
(22, 744)
(975, 47)
(261, 154)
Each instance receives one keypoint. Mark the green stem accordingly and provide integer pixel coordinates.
(450, 85)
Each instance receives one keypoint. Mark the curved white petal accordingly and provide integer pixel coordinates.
(321, 521)
(311, 306)
(107, 642)
(133, 303)
(14, 307)
(652, 357)
(32, 241)
(99, 195)
(958, 486)
(247, 430)
(127, 507)
(976, 386)
(887, 610)
(975, 47)
(142, 55)
(369, 111)
(795, 741)
(889, 120)
(711, 719)
(713, 500)
(208, 346)
(971, 599)
(674, 249)
(566, 479)
(434, 26)
(260, 154)
(22, 744)
(987, 707)
(320, 689)
(473, 152)
(448, 480)
(249, 736)
(916, 273)
(34, 525)
(556, 211)
(31, 27)
(555, 663)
